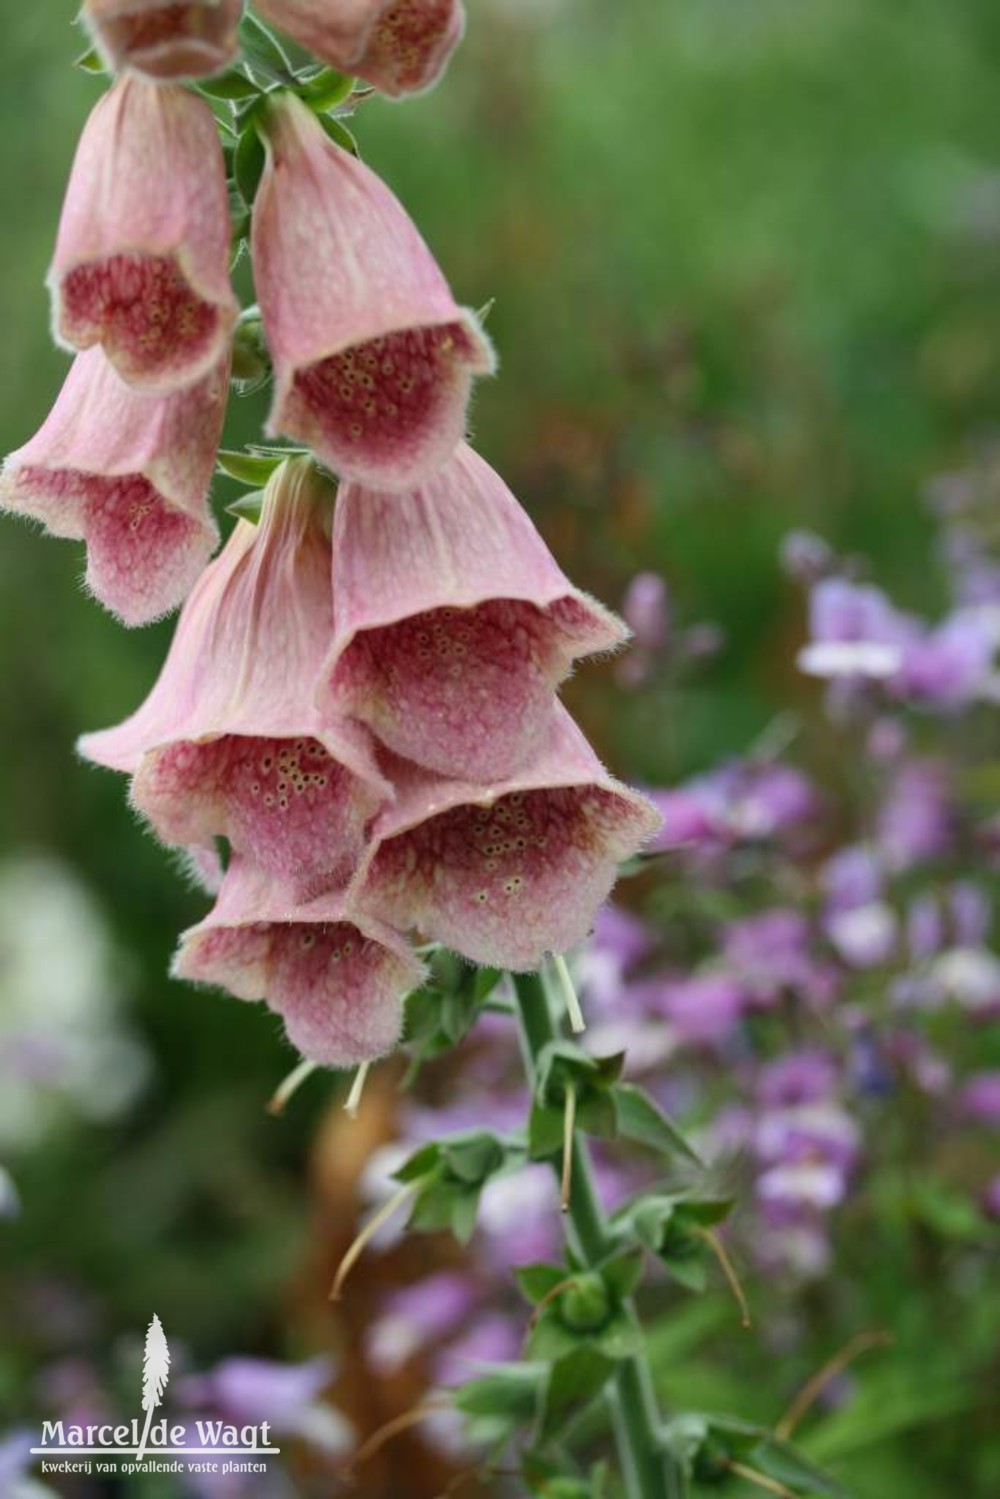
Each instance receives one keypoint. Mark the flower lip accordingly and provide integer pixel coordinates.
(336, 976)
(506, 872)
(129, 473)
(453, 624)
(166, 39)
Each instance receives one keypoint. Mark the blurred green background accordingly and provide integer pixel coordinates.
(745, 256)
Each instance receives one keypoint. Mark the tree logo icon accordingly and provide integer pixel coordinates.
(155, 1373)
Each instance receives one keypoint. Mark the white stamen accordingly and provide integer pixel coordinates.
(353, 1103)
(569, 996)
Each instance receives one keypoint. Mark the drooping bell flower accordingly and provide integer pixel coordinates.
(166, 39)
(229, 743)
(141, 264)
(337, 979)
(398, 46)
(373, 358)
(453, 622)
(503, 874)
(128, 472)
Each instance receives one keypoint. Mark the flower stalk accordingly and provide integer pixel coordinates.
(650, 1471)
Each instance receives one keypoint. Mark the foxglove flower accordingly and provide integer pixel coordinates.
(128, 472)
(166, 38)
(505, 873)
(373, 359)
(399, 46)
(453, 623)
(337, 979)
(141, 263)
(229, 743)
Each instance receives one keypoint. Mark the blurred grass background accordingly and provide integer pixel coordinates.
(745, 256)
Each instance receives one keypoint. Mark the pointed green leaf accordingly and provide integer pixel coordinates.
(643, 1121)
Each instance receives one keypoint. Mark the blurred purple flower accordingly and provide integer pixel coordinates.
(771, 953)
(418, 1315)
(739, 802)
(797, 1078)
(251, 1391)
(951, 665)
(646, 611)
(855, 632)
(490, 1339)
(704, 1009)
(979, 1098)
(917, 821)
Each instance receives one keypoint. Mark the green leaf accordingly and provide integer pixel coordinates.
(232, 85)
(573, 1383)
(510, 1391)
(325, 90)
(783, 1462)
(339, 134)
(248, 506)
(263, 51)
(248, 162)
(643, 1121)
(622, 1273)
(546, 1129)
(421, 1163)
(473, 1158)
(247, 468)
(539, 1281)
(620, 1337)
(91, 61)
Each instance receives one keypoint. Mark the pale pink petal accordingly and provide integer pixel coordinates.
(337, 979)
(453, 622)
(373, 358)
(229, 742)
(128, 472)
(505, 873)
(400, 46)
(166, 39)
(411, 46)
(141, 263)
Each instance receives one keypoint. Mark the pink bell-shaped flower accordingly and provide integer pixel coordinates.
(229, 742)
(337, 979)
(166, 39)
(399, 46)
(453, 624)
(373, 359)
(128, 472)
(141, 263)
(503, 874)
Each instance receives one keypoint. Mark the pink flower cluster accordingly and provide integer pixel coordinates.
(360, 697)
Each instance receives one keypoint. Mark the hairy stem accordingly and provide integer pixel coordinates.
(650, 1472)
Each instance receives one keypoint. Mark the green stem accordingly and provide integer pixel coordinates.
(650, 1472)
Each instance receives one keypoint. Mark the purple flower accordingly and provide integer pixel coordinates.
(797, 1078)
(249, 1391)
(646, 611)
(917, 819)
(980, 1097)
(855, 632)
(491, 1339)
(771, 953)
(426, 1312)
(703, 1010)
(950, 666)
